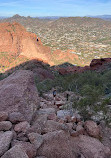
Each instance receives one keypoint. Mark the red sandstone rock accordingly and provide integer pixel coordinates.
(92, 129)
(95, 63)
(15, 40)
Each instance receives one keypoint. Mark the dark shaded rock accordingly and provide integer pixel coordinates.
(18, 93)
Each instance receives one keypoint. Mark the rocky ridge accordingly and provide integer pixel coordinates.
(52, 132)
(96, 64)
(16, 41)
(18, 46)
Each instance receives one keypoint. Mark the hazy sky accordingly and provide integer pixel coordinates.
(55, 7)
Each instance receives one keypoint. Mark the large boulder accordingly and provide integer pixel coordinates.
(90, 147)
(92, 129)
(5, 140)
(18, 93)
(15, 152)
(39, 124)
(56, 144)
(27, 147)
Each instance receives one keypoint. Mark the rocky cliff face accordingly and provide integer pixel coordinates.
(96, 64)
(16, 41)
(17, 46)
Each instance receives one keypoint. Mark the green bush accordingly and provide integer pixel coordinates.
(44, 86)
(91, 85)
(1, 76)
(107, 82)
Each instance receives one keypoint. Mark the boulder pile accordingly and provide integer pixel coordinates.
(50, 132)
(50, 135)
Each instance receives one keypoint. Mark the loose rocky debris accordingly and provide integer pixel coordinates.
(52, 133)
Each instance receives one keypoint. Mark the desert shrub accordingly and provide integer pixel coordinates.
(85, 101)
(92, 89)
(90, 78)
(90, 84)
(2, 76)
(44, 86)
(64, 82)
(85, 114)
(107, 82)
(92, 93)
(106, 101)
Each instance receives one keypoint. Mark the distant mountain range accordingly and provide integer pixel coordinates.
(16, 16)
(49, 17)
(3, 17)
(105, 17)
